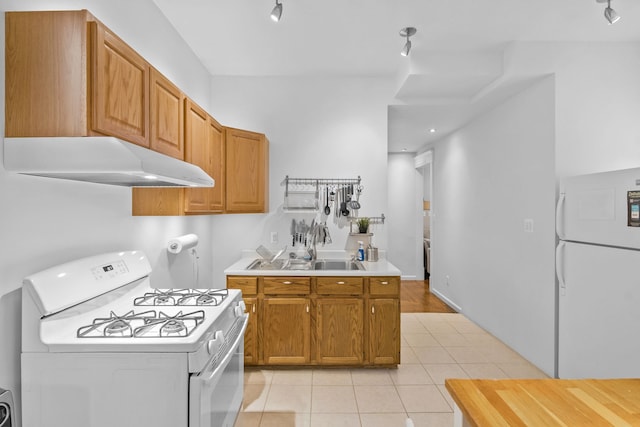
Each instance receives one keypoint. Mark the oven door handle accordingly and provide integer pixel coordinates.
(204, 376)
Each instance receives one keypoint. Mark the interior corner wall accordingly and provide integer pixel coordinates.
(487, 179)
(405, 209)
(45, 222)
(318, 127)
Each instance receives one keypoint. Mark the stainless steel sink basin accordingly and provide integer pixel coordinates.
(297, 264)
(337, 264)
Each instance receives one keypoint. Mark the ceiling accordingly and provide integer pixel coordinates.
(456, 53)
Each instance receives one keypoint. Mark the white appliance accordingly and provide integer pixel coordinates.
(101, 347)
(598, 270)
(100, 159)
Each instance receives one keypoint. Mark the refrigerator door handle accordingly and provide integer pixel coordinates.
(560, 268)
(560, 216)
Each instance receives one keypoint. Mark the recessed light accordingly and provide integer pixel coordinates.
(404, 149)
(150, 177)
(432, 130)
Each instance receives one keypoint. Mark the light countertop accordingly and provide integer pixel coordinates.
(382, 267)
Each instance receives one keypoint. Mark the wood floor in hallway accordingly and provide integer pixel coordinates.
(415, 297)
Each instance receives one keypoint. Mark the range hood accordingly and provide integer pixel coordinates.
(101, 159)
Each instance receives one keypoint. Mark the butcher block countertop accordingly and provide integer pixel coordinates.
(546, 402)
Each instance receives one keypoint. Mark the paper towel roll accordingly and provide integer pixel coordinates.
(176, 245)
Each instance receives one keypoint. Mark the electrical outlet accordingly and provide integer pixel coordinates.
(528, 225)
(274, 237)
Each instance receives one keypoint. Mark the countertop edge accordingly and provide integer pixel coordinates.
(378, 268)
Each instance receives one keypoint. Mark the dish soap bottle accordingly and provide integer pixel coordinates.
(360, 251)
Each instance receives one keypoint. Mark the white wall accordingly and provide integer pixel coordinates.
(405, 215)
(332, 127)
(489, 177)
(44, 222)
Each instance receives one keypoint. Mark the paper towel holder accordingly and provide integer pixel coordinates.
(178, 244)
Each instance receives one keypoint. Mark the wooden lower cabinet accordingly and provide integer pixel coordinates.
(286, 331)
(339, 331)
(251, 333)
(384, 331)
(328, 321)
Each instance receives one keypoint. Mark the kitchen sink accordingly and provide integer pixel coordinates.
(337, 264)
(298, 264)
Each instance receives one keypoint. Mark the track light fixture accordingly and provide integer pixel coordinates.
(407, 32)
(610, 15)
(276, 13)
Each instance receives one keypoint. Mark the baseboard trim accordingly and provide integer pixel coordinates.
(450, 303)
(408, 277)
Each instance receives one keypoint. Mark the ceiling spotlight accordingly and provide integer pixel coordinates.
(432, 130)
(407, 32)
(611, 15)
(276, 13)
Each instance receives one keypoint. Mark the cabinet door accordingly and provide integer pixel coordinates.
(286, 331)
(216, 166)
(198, 152)
(384, 331)
(251, 333)
(246, 163)
(340, 331)
(120, 88)
(167, 116)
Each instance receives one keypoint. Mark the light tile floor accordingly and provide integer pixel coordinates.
(435, 346)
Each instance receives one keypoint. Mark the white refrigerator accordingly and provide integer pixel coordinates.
(598, 270)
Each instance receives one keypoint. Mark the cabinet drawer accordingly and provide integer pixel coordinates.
(248, 285)
(384, 286)
(340, 285)
(287, 285)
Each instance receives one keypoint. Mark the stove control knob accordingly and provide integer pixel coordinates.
(240, 309)
(214, 344)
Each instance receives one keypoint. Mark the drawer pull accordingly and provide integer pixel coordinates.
(286, 282)
(384, 283)
(340, 283)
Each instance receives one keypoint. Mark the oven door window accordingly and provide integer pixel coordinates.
(215, 396)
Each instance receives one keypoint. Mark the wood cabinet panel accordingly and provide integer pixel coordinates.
(339, 331)
(167, 116)
(339, 285)
(251, 333)
(216, 169)
(247, 159)
(386, 286)
(46, 91)
(120, 88)
(286, 331)
(248, 285)
(287, 285)
(197, 151)
(384, 331)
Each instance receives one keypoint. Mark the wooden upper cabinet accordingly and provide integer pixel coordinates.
(167, 116)
(247, 160)
(46, 90)
(204, 141)
(120, 88)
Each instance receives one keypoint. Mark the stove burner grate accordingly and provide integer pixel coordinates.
(147, 324)
(183, 297)
(114, 326)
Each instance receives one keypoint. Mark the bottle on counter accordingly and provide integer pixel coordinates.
(360, 251)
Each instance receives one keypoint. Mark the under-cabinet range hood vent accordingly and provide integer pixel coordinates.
(101, 159)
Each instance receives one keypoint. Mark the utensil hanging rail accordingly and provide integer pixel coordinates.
(321, 181)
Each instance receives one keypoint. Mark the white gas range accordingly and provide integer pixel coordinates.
(101, 347)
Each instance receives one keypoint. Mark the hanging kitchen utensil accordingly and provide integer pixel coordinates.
(343, 206)
(327, 209)
(355, 204)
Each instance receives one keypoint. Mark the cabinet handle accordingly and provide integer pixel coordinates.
(307, 308)
(286, 282)
(253, 308)
(340, 283)
(373, 310)
(384, 283)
